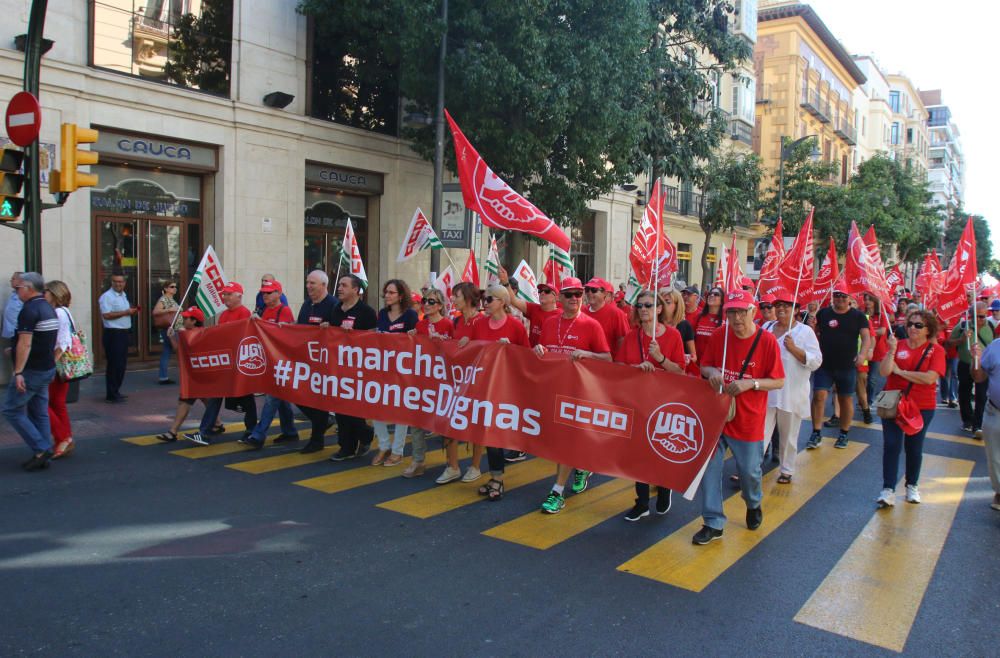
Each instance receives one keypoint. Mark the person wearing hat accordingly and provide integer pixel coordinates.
(766, 310)
(971, 396)
(232, 297)
(547, 306)
(839, 328)
(692, 304)
(752, 367)
(601, 307)
(994, 317)
(788, 406)
(191, 318)
(578, 336)
(260, 301)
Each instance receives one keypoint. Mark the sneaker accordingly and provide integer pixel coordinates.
(448, 475)
(249, 441)
(554, 503)
(912, 494)
(977, 434)
(841, 441)
(952, 404)
(706, 535)
(867, 416)
(472, 474)
(311, 447)
(754, 518)
(165, 382)
(886, 499)
(967, 428)
(581, 479)
(996, 502)
(363, 449)
(515, 456)
(637, 512)
(415, 469)
(343, 455)
(664, 498)
(286, 438)
(814, 440)
(832, 421)
(197, 438)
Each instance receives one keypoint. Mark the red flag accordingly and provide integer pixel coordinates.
(828, 273)
(929, 270)
(960, 277)
(720, 272)
(767, 283)
(647, 244)
(894, 278)
(496, 203)
(861, 268)
(471, 271)
(795, 272)
(734, 272)
(872, 242)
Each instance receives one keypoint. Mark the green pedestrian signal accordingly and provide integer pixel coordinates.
(11, 181)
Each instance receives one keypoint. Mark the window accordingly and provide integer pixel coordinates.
(894, 134)
(894, 101)
(179, 42)
(712, 263)
(582, 246)
(684, 263)
(909, 135)
(864, 126)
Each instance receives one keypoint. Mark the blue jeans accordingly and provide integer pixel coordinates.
(875, 381)
(894, 443)
(212, 408)
(748, 456)
(28, 412)
(165, 355)
(949, 383)
(272, 406)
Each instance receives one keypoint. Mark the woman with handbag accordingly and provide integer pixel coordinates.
(58, 296)
(907, 402)
(163, 314)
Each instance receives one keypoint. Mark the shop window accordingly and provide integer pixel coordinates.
(582, 247)
(180, 42)
(684, 263)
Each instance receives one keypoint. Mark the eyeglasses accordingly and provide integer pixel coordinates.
(840, 295)
(916, 325)
(645, 305)
(429, 302)
(573, 293)
(765, 307)
(593, 290)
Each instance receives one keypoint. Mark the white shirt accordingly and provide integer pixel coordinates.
(794, 396)
(64, 338)
(111, 302)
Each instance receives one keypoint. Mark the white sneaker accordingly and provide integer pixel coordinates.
(886, 499)
(912, 494)
(471, 474)
(448, 475)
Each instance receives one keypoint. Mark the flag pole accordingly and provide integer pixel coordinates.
(180, 305)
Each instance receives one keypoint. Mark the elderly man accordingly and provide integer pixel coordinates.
(317, 310)
(116, 314)
(601, 307)
(971, 394)
(261, 302)
(232, 297)
(26, 405)
(986, 371)
(752, 367)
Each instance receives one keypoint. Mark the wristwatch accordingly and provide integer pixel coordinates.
(756, 385)
(19, 374)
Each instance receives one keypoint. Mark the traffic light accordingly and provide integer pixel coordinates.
(68, 179)
(10, 184)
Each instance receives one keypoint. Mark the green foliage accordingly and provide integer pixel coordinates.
(201, 48)
(807, 184)
(984, 244)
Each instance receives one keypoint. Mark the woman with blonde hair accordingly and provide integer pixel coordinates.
(58, 296)
(164, 313)
(672, 314)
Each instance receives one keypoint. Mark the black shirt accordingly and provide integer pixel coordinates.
(318, 313)
(838, 336)
(39, 319)
(686, 332)
(361, 316)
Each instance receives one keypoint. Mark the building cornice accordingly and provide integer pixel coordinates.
(812, 19)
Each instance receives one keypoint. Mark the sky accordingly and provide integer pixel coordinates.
(939, 45)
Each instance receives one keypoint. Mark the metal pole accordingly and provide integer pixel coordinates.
(439, 140)
(781, 174)
(32, 196)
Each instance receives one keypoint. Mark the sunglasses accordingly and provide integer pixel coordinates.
(490, 299)
(573, 293)
(645, 305)
(764, 307)
(916, 325)
(841, 295)
(715, 294)
(593, 290)
(546, 291)
(429, 301)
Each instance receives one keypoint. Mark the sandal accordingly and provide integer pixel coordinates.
(493, 490)
(784, 478)
(168, 437)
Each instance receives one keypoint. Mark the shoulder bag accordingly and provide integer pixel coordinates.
(743, 370)
(887, 402)
(76, 362)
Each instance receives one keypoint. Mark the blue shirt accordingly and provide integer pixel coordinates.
(990, 363)
(111, 302)
(406, 321)
(10, 311)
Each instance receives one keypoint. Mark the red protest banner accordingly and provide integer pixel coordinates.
(604, 417)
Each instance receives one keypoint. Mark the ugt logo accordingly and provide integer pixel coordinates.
(675, 433)
(251, 360)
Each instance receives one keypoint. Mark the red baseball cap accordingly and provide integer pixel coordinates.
(233, 287)
(546, 286)
(270, 286)
(597, 282)
(194, 312)
(840, 287)
(619, 296)
(782, 294)
(768, 298)
(570, 283)
(738, 299)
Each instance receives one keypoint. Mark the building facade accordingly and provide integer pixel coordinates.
(945, 161)
(873, 118)
(908, 138)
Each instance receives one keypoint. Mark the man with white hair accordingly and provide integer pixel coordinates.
(317, 310)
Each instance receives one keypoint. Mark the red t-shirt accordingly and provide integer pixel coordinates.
(234, 315)
(612, 321)
(512, 329)
(906, 359)
(633, 352)
(751, 406)
(704, 327)
(537, 317)
(581, 333)
(279, 313)
(464, 329)
(875, 323)
(444, 327)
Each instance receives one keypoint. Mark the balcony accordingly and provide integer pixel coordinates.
(812, 104)
(741, 131)
(682, 202)
(846, 132)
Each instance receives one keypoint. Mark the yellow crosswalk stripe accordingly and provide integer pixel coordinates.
(874, 592)
(439, 500)
(227, 448)
(954, 438)
(151, 440)
(365, 475)
(281, 462)
(676, 561)
(582, 512)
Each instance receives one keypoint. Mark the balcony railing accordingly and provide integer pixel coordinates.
(682, 202)
(846, 132)
(812, 104)
(741, 131)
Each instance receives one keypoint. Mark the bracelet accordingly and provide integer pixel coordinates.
(662, 360)
(19, 374)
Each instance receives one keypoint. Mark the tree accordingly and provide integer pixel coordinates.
(729, 181)
(201, 46)
(984, 244)
(808, 184)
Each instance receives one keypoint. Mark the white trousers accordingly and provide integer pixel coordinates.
(788, 425)
(398, 437)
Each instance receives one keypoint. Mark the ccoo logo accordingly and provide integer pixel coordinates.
(252, 360)
(675, 433)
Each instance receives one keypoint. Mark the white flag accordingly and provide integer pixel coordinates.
(527, 284)
(493, 263)
(445, 282)
(350, 255)
(210, 280)
(419, 236)
(632, 288)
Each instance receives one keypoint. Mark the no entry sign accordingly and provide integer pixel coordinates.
(24, 118)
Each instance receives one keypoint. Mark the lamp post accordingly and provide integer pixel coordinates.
(439, 140)
(786, 152)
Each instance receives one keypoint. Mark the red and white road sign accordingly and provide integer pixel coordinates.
(24, 118)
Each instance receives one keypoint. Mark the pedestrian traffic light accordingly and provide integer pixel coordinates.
(68, 179)
(11, 181)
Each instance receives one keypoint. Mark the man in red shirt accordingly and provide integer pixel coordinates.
(752, 368)
(232, 297)
(601, 307)
(692, 304)
(537, 314)
(578, 336)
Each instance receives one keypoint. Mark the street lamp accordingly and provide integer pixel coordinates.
(439, 140)
(786, 152)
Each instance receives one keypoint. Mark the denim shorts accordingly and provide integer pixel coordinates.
(844, 378)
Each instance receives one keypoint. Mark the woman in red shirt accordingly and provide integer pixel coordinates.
(708, 321)
(640, 350)
(912, 366)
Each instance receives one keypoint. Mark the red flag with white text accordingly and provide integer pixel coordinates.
(828, 273)
(647, 243)
(471, 271)
(767, 282)
(734, 272)
(894, 278)
(862, 270)
(960, 277)
(795, 272)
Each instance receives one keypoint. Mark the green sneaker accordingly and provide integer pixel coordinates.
(580, 480)
(554, 503)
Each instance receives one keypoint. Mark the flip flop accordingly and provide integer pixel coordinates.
(784, 478)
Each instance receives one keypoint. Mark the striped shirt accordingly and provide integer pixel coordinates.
(38, 319)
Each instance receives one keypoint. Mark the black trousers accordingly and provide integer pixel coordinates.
(115, 343)
(971, 415)
(352, 431)
(642, 492)
(318, 423)
(495, 458)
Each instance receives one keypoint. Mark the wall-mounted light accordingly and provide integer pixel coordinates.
(278, 99)
(21, 40)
